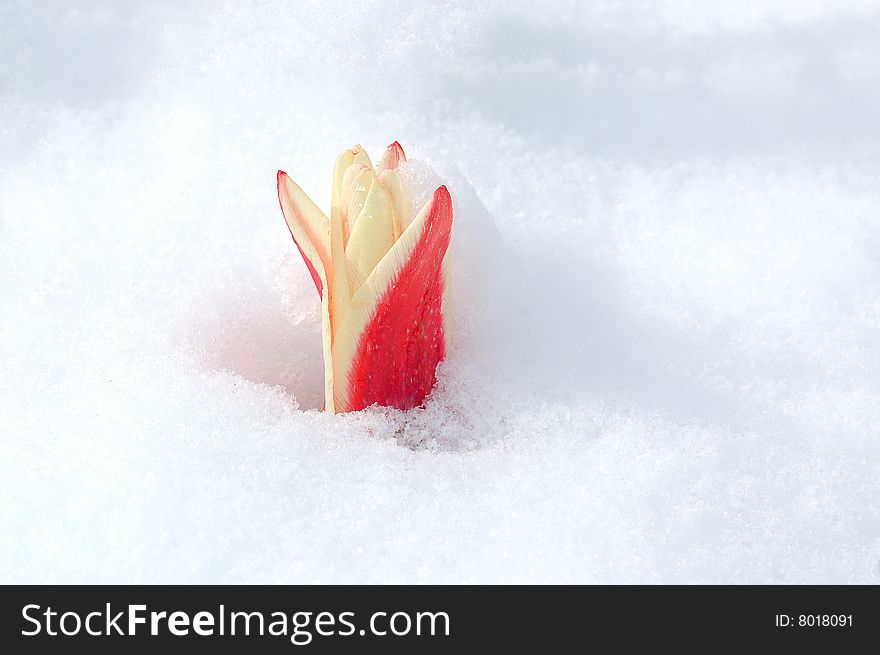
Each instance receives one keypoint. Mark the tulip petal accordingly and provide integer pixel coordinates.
(310, 230)
(392, 156)
(350, 163)
(356, 184)
(391, 338)
(308, 226)
(371, 237)
(340, 293)
(399, 200)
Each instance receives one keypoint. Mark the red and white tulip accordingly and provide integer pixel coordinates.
(381, 271)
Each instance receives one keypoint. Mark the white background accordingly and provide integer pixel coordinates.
(666, 364)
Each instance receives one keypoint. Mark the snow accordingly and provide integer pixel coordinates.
(665, 367)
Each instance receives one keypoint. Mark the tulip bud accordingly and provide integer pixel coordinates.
(382, 279)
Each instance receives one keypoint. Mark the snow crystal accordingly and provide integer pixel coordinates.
(664, 365)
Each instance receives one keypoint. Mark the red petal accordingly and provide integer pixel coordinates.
(392, 156)
(397, 355)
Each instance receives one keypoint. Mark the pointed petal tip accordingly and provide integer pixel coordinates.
(392, 157)
(399, 148)
(441, 195)
(278, 179)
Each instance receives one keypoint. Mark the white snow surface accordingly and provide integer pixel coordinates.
(665, 365)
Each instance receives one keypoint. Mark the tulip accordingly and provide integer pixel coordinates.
(382, 276)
